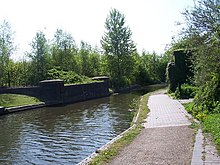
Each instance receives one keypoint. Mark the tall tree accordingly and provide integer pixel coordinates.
(63, 51)
(6, 49)
(39, 55)
(203, 37)
(119, 47)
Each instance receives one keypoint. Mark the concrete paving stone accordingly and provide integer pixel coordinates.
(165, 112)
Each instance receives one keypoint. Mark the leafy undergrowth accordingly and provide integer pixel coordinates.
(13, 100)
(210, 123)
(106, 155)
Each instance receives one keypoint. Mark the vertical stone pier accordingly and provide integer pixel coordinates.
(51, 91)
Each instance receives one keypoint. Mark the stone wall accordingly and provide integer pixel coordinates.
(74, 93)
(55, 92)
(30, 91)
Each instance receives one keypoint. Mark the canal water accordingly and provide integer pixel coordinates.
(63, 134)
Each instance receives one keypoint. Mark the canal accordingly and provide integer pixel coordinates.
(63, 134)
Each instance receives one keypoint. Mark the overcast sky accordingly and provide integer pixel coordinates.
(152, 22)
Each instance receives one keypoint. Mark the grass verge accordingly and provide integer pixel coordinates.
(13, 100)
(108, 154)
(210, 123)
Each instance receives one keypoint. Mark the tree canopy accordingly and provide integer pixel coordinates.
(119, 47)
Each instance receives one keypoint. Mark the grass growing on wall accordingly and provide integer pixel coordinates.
(13, 100)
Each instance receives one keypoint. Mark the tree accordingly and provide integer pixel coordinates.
(203, 38)
(39, 56)
(6, 49)
(89, 60)
(119, 47)
(203, 34)
(63, 51)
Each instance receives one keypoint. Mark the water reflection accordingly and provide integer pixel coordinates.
(65, 134)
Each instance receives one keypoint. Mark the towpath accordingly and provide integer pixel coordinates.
(166, 138)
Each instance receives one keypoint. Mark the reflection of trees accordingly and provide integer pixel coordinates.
(11, 126)
(51, 118)
(119, 108)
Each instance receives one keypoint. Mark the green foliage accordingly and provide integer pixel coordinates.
(151, 68)
(13, 100)
(69, 77)
(61, 58)
(118, 47)
(202, 37)
(63, 51)
(192, 109)
(212, 125)
(39, 57)
(90, 60)
(187, 91)
(208, 96)
(6, 49)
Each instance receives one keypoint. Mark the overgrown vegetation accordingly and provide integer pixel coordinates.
(13, 100)
(187, 91)
(69, 77)
(210, 122)
(201, 37)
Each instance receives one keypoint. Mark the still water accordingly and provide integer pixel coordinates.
(64, 134)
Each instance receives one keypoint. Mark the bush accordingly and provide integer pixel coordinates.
(69, 77)
(187, 91)
(208, 96)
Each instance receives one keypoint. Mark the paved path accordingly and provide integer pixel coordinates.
(165, 112)
(166, 139)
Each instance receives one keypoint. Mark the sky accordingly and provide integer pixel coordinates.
(153, 22)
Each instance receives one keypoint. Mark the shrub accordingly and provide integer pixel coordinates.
(187, 91)
(69, 77)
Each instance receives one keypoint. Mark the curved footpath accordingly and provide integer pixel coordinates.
(166, 138)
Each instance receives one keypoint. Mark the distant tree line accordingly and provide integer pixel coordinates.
(62, 58)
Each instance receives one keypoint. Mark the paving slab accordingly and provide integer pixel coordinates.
(165, 112)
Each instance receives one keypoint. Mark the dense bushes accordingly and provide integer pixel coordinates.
(187, 91)
(69, 77)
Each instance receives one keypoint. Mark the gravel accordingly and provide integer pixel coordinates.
(164, 145)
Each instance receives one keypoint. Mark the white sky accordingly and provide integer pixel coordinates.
(152, 22)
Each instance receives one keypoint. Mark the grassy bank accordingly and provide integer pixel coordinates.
(114, 149)
(13, 100)
(210, 123)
